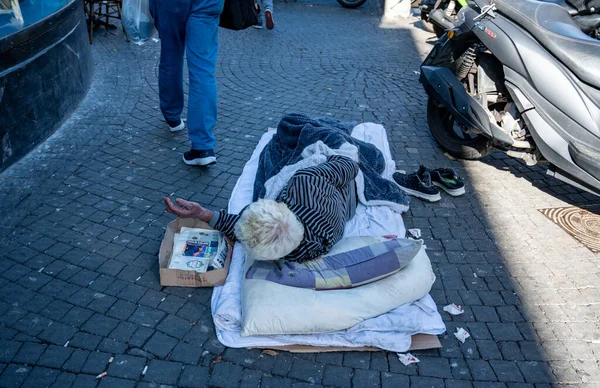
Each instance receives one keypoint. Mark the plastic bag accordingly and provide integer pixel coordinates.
(137, 20)
(238, 14)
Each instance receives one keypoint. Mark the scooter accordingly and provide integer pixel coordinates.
(522, 77)
(440, 15)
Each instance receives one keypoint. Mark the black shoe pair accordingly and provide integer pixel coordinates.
(424, 183)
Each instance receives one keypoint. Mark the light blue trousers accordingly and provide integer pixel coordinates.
(189, 26)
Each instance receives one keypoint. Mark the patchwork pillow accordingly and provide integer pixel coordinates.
(352, 262)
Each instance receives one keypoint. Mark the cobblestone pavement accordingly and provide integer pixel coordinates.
(82, 221)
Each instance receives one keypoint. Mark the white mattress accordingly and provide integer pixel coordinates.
(391, 331)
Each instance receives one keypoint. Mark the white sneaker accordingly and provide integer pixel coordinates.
(174, 127)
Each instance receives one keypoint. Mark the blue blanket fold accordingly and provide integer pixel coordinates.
(297, 131)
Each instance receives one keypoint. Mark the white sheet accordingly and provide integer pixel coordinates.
(390, 331)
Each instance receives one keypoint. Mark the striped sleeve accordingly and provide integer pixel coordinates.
(339, 170)
(225, 223)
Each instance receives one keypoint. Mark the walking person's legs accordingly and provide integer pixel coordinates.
(267, 10)
(202, 46)
(169, 19)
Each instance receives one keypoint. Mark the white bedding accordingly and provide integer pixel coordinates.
(390, 331)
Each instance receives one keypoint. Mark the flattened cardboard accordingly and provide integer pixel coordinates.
(181, 278)
(419, 342)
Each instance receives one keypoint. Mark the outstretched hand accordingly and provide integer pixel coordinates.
(187, 209)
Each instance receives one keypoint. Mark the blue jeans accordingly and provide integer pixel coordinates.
(265, 5)
(189, 26)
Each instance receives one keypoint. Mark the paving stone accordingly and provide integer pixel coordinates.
(77, 316)
(112, 382)
(100, 325)
(8, 350)
(127, 367)
(64, 379)
(160, 344)
(434, 367)
(426, 382)
(251, 378)
(357, 360)
(140, 336)
(163, 372)
(504, 332)
(96, 363)
(40, 377)
(110, 345)
(55, 356)
(85, 341)
(14, 375)
(194, 377)
(186, 353)
(366, 378)
(276, 382)
(535, 372)
(85, 381)
(337, 376)
(507, 371)
(392, 380)
(29, 353)
(481, 370)
(123, 331)
(306, 371)
(76, 361)
(226, 375)
(146, 317)
(174, 326)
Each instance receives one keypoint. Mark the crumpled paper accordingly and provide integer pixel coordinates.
(461, 334)
(407, 358)
(453, 309)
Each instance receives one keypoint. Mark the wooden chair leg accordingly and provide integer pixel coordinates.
(91, 16)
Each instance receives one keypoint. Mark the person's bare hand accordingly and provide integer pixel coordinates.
(187, 209)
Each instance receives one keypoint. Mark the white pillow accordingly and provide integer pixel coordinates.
(269, 308)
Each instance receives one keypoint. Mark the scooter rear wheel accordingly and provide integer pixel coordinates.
(452, 137)
(351, 3)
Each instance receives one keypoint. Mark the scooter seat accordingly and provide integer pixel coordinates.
(555, 29)
(563, 4)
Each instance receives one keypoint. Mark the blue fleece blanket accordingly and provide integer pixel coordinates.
(297, 131)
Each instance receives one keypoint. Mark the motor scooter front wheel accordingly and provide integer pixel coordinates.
(453, 137)
(351, 3)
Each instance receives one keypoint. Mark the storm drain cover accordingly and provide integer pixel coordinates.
(583, 223)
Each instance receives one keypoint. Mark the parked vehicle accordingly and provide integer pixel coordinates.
(439, 15)
(524, 79)
(351, 3)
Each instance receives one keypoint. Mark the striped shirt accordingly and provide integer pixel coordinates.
(322, 197)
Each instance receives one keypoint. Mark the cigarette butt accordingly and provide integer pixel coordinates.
(163, 299)
(41, 269)
(101, 375)
(111, 360)
(66, 344)
(138, 278)
(145, 370)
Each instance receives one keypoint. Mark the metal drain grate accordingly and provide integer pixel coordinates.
(583, 223)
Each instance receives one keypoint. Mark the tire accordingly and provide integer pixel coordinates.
(427, 26)
(443, 129)
(351, 3)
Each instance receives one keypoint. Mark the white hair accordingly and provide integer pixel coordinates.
(268, 230)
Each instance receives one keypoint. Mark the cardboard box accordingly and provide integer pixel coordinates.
(419, 342)
(181, 278)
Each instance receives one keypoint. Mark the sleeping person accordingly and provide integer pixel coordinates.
(304, 222)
